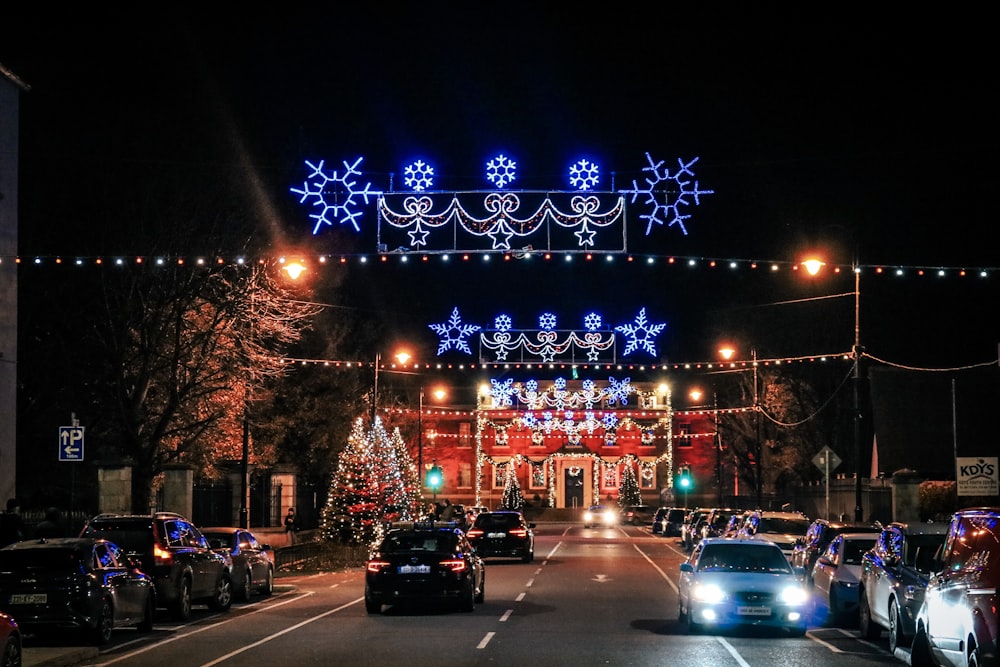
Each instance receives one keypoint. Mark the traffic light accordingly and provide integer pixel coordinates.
(435, 477)
(684, 479)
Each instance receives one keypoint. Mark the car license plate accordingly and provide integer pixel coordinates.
(494, 536)
(414, 569)
(29, 598)
(753, 611)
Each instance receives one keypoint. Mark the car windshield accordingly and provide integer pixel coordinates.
(855, 549)
(741, 558)
(417, 542)
(496, 520)
(920, 551)
(776, 525)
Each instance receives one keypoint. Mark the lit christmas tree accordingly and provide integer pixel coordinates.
(375, 482)
(629, 494)
(512, 498)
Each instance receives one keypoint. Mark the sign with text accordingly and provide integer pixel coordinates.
(70, 443)
(977, 476)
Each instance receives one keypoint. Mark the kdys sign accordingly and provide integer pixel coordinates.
(977, 476)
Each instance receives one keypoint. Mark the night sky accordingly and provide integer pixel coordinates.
(870, 134)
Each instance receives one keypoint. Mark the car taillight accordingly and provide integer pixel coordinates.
(161, 556)
(454, 564)
(474, 533)
(518, 532)
(375, 566)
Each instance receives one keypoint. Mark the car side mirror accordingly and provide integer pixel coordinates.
(687, 567)
(825, 561)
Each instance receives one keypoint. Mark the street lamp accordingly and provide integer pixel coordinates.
(813, 266)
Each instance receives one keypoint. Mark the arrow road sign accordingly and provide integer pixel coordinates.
(70, 443)
(826, 459)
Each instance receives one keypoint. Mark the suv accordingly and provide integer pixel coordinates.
(957, 623)
(637, 515)
(175, 554)
(821, 532)
(782, 528)
(503, 534)
(893, 577)
(668, 520)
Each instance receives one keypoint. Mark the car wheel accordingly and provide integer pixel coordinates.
(223, 598)
(865, 624)
(149, 610)
(247, 590)
(681, 616)
(897, 637)
(920, 653)
(372, 606)
(101, 632)
(269, 582)
(467, 601)
(182, 605)
(11, 656)
(974, 657)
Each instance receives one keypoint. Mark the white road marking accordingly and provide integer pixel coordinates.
(506, 615)
(486, 640)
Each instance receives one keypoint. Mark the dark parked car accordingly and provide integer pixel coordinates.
(715, 523)
(253, 562)
(957, 623)
(503, 534)
(10, 642)
(637, 515)
(894, 575)
(175, 554)
(668, 521)
(424, 562)
(71, 582)
(818, 536)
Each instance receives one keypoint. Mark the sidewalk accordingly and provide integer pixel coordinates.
(57, 656)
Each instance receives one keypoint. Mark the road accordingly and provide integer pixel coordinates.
(598, 596)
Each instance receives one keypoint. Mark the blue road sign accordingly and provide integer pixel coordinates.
(70, 443)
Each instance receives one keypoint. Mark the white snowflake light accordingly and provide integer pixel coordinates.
(454, 334)
(584, 175)
(418, 176)
(501, 171)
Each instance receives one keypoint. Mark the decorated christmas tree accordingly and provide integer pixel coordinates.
(375, 482)
(512, 498)
(629, 494)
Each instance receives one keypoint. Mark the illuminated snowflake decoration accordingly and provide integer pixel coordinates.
(592, 322)
(501, 171)
(531, 386)
(610, 421)
(560, 384)
(584, 175)
(502, 322)
(500, 392)
(641, 334)
(454, 334)
(618, 392)
(547, 322)
(665, 212)
(418, 176)
(342, 188)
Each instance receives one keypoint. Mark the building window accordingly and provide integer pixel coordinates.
(464, 434)
(537, 477)
(683, 436)
(647, 477)
(609, 477)
(464, 474)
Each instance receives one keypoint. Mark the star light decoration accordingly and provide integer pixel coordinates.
(340, 195)
(548, 343)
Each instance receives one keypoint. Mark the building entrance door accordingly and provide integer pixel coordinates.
(573, 478)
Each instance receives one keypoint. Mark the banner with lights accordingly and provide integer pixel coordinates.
(422, 219)
(503, 343)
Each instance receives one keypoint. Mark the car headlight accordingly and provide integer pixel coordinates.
(587, 516)
(793, 595)
(709, 593)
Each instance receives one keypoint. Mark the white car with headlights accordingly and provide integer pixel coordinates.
(736, 581)
(599, 515)
(836, 574)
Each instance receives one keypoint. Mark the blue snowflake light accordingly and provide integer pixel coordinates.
(454, 334)
(418, 176)
(666, 212)
(502, 322)
(640, 334)
(547, 321)
(342, 188)
(501, 171)
(592, 322)
(584, 175)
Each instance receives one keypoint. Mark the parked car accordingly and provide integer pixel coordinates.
(894, 575)
(599, 515)
(782, 528)
(957, 622)
(253, 562)
(503, 534)
(688, 528)
(175, 554)
(836, 574)
(735, 523)
(637, 515)
(10, 642)
(716, 522)
(732, 581)
(818, 537)
(70, 582)
(668, 521)
(428, 561)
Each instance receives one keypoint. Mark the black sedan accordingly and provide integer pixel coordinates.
(74, 582)
(253, 562)
(425, 562)
(503, 534)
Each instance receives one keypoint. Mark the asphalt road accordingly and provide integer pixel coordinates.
(594, 596)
